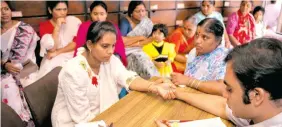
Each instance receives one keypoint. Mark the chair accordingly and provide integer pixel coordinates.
(40, 97)
(9, 118)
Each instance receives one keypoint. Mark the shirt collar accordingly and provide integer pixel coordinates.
(275, 121)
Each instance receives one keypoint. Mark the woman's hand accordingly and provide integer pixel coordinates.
(166, 90)
(141, 38)
(60, 21)
(11, 68)
(179, 79)
(51, 55)
(162, 123)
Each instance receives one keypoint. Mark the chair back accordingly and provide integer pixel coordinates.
(41, 96)
(9, 118)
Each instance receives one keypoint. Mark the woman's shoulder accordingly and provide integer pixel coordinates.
(85, 25)
(46, 23)
(114, 63)
(76, 65)
(26, 27)
(148, 20)
(233, 15)
(199, 13)
(217, 15)
(177, 31)
(124, 20)
(221, 51)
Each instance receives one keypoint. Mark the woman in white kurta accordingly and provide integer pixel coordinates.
(57, 37)
(90, 82)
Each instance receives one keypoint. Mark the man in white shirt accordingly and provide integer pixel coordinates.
(253, 80)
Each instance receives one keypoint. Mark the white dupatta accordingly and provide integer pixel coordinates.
(67, 32)
(7, 40)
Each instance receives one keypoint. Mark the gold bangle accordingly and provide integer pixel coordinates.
(191, 85)
(198, 84)
(189, 82)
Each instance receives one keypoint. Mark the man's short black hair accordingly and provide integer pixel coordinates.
(258, 64)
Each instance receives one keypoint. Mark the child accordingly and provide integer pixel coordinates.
(260, 26)
(160, 52)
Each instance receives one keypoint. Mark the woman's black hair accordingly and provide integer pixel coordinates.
(257, 9)
(161, 27)
(213, 26)
(132, 5)
(97, 30)
(210, 1)
(98, 3)
(9, 5)
(52, 5)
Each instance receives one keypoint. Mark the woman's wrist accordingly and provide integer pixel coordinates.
(152, 88)
(194, 83)
(4, 64)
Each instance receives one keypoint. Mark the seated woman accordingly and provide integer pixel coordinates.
(160, 52)
(208, 11)
(18, 42)
(183, 38)
(206, 71)
(135, 29)
(57, 37)
(99, 12)
(90, 82)
(241, 25)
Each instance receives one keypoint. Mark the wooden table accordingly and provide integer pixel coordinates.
(141, 109)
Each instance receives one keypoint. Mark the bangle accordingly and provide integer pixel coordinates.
(198, 84)
(191, 85)
(189, 82)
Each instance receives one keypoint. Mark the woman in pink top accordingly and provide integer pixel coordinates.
(241, 25)
(98, 12)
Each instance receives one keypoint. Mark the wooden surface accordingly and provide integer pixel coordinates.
(141, 109)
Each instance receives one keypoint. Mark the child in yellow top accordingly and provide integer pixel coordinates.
(161, 53)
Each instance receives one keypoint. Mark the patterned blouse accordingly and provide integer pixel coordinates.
(210, 66)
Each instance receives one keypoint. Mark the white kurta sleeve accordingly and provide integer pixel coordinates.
(74, 82)
(124, 77)
(47, 42)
